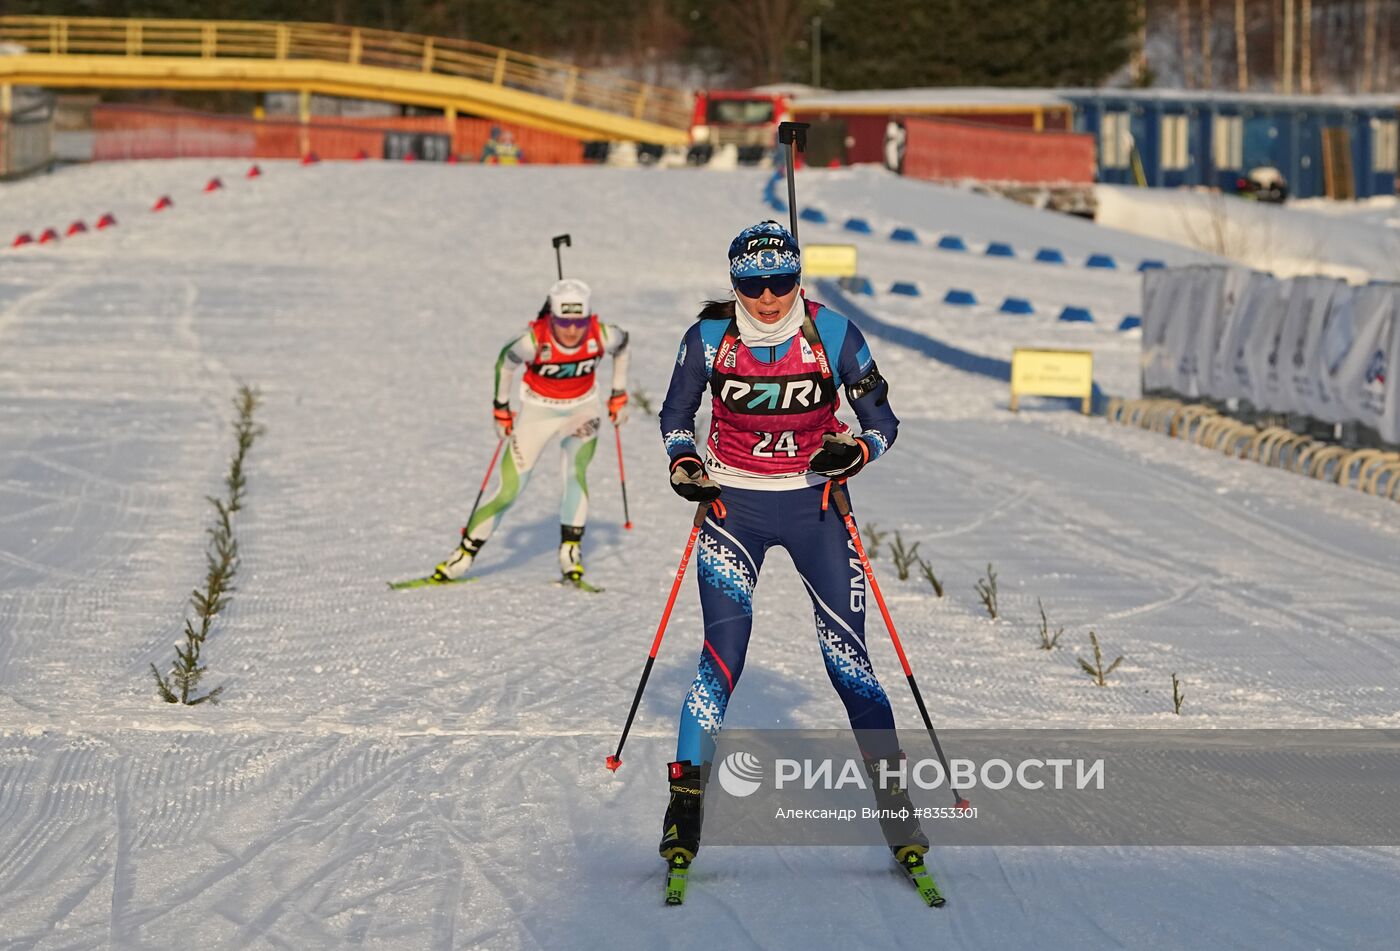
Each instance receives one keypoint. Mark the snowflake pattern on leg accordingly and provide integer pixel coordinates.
(725, 569)
(848, 666)
(708, 698)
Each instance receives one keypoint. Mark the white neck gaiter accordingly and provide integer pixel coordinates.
(755, 333)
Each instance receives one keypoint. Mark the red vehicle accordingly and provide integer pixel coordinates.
(746, 118)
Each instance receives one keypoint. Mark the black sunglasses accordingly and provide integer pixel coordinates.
(779, 284)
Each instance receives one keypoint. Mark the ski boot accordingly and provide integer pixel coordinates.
(680, 829)
(901, 828)
(460, 561)
(897, 819)
(570, 558)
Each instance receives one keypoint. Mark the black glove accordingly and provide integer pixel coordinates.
(690, 482)
(840, 457)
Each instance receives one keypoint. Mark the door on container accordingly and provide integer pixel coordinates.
(1141, 123)
(1266, 145)
(1309, 182)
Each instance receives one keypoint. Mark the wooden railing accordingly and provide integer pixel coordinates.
(229, 39)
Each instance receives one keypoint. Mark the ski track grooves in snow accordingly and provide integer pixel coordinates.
(393, 770)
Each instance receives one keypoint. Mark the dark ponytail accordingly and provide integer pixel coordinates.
(717, 310)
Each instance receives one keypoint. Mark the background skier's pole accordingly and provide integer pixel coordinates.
(794, 136)
(843, 506)
(481, 491)
(615, 760)
(622, 477)
(567, 242)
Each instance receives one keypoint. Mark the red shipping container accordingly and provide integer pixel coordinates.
(947, 150)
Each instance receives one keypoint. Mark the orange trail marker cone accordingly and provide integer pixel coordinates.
(213, 185)
(310, 158)
(253, 171)
(108, 220)
(22, 239)
(49, 236)
(162, 203)
(76, 227)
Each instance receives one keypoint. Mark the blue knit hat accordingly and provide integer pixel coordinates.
(764, 249)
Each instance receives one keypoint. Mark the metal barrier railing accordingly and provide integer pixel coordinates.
(231, 39)
(26, 134)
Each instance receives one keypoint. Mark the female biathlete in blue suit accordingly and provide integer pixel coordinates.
(772, 362)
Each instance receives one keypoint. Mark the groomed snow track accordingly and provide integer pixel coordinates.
(425, 769)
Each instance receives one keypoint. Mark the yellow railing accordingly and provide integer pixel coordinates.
(229, 39)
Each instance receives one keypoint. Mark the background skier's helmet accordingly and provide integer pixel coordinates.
(569, 299)
(763, 250)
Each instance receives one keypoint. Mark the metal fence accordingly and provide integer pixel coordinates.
(26, 133)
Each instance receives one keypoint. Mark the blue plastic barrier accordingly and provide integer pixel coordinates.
(1130, 322)
(814, 215)
(1102, 260)
(1050, 256)
(907, 288)
(857, 285)
(1016, 305)
(858, 225)
(959, 297)
(1000, 249)
(904, 234)
(951, 242)
(930, 347)
(1076, 315)
(1150, 264)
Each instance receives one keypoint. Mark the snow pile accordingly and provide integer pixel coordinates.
(1268, 238)
(1382, 210)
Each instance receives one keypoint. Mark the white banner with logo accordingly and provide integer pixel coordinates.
(1312, 346)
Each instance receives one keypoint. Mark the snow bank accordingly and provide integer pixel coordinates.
(1286, 242)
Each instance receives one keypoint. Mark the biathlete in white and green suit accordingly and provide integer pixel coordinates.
(561, 352)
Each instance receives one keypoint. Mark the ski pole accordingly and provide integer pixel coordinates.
(794, 136)
(567, 242)
(615, 760)
(622, 477)
(843, 506)
(481, 491)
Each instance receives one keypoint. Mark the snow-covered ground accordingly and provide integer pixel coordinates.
(425, 769)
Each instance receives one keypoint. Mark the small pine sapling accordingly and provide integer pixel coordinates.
(904, 558)
(181, 684)
(932, 578)
(1048, 641)
(1178, 695)
(1096, 669)
(873, 539)
(987, 591)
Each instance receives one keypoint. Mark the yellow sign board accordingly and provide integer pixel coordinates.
(1052, 373)
(829, 260)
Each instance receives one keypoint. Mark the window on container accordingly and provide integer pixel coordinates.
(1175, 154)
(740, 111)
(1115, 141)
(1385, 145)
(1228, 144)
